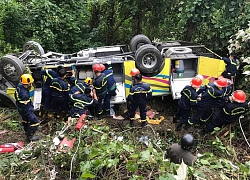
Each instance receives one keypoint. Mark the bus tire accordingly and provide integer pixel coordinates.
(32, 45)
(138, 41)
(11, 68)
(148, 59)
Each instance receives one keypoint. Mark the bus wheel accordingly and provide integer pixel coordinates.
(138, 41)
(32, 45)
(148, 59)
(11, 68)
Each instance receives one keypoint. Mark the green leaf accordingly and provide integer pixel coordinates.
(112, 162)
(204, 162)
(88, 175)
(134, 156)
(145, 155)
(131, 166)
(244, 168)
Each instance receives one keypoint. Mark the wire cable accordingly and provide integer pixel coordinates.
(71, 163)
(243, 133)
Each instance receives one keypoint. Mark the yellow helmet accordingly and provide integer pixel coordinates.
(26, 79)
(88, 80)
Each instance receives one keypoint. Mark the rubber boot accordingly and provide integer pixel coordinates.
(106, 113)
(33, 138)
(31, 134)
(144, 123)
(131, 123)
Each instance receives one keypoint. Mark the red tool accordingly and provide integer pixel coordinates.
(80, 123)
(7, 149)
(16, 146)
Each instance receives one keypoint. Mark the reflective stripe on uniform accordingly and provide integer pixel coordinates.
(140, 92)
(58, 88)
(19, 100)
(189, 122)
(80, 101)
(36, 124)
(79, 105)
(189, 97)
(48, 74)
(240, 110)
(226, 111)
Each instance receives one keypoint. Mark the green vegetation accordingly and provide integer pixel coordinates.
(68, 26)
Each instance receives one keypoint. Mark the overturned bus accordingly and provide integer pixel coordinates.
(167, 66)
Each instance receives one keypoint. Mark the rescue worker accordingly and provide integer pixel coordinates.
(139, 95)
(205, 105)
(187, 101)
(100, 88)
(220, 101)
(133, 72)
(231, 111)
(177, 152)
(82, 102)
(80, 86)
(231, 67)
(111, 87)
(25, 107)
(48, 75)
(60, 93)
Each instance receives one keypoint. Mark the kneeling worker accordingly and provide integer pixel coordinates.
(81, 102)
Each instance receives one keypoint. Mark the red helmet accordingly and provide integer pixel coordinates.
(196, 82)
(97, 67)
(222, 82)
(102, 67)
(239, 96)
(134, 71)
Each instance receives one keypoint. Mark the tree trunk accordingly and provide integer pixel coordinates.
(189, 31)
(110, 24)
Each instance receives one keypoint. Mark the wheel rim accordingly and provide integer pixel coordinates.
(9, 70)
(149, 60)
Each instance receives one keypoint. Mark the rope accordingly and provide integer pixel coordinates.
(213, 52)
(71, 163)
(163, 154)
(243, 133)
